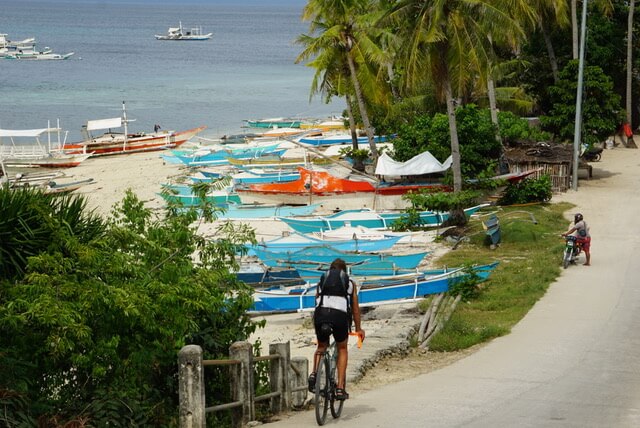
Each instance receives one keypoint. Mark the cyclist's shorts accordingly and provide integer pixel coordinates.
(339, 323)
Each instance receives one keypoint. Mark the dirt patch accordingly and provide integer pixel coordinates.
(398, 368)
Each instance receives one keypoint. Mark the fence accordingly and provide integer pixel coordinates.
(287, 383)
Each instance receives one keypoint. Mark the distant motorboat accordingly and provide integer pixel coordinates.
(38, 56)
(7, 46)
(26, 49)
(178, 33)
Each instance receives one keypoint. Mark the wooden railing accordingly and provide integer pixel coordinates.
(287, 383)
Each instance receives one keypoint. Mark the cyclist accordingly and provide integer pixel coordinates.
(336, 301)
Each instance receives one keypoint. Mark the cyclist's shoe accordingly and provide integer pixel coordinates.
(312, 382)
(341, 394)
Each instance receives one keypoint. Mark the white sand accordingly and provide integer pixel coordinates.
(144, 173)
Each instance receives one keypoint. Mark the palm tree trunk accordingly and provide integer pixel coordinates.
(391, 75)
(630, 61)
(453, 130)
(574, 28)
(493, 106)
(352, 124)
(551, 52)
(491, 92)
(363, 109)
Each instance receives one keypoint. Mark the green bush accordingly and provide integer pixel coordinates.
(601, 112)
(476, 132)
(467, 287)
(92, 329)
(528, 190)
(514, 129)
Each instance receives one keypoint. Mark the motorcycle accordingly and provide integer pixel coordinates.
(572, 249)
(593, 154)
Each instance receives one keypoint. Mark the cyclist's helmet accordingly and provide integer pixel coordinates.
(578, 217)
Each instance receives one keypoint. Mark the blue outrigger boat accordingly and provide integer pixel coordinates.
(293, 244)
(367, 218)
(303, 299)
(232, 210)
(260, 276)
(221, 157)
(235, 211)
(182, 194)
(336, 139)
(378, 268)
(323, 255)
(275, 176)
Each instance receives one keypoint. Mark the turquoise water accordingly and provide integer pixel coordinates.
(246, 71)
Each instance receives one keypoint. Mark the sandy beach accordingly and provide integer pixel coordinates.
(145, 173)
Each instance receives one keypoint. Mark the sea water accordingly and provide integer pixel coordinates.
(247, 69)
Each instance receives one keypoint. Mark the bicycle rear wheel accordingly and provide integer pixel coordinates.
(322, 391)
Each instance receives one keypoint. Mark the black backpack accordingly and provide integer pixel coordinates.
(335, 282)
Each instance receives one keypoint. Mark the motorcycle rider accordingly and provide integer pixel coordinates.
(581, 231)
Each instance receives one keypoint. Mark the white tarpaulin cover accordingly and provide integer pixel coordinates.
(115, 122)
(22, 132)
(424, 163)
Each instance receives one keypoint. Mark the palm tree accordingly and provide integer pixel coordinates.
(449, 39)
(344, 40)
(551, 12)
(605, 7)
(629, 60)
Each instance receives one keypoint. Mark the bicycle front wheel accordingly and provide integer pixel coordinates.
(336, 406)
(322, 391)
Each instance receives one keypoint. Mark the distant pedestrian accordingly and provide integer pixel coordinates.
(156, 127)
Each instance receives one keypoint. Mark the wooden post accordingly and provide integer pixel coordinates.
(242, 383)
(279, 376)
(191, 387)
(298, 376)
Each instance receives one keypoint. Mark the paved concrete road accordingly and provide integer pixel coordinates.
(573, 361)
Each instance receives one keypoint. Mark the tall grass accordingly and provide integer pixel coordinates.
(529, 256)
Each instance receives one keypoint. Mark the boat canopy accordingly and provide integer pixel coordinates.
(424, 163)
(93, 125)
(22, 132)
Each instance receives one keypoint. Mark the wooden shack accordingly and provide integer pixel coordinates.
(553, 159)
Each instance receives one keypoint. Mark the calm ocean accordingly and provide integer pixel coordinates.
(246, 71)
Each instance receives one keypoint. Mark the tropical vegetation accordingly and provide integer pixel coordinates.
(93, 312)
(407, 67)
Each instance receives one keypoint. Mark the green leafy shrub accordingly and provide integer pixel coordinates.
(514, 129)
(601, 113)
(528, 190)
(98, 322)
(475, 131)
(467, 287)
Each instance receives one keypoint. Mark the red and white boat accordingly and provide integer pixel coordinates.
(118, 143)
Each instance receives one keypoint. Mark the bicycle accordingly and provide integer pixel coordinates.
(326, 384)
